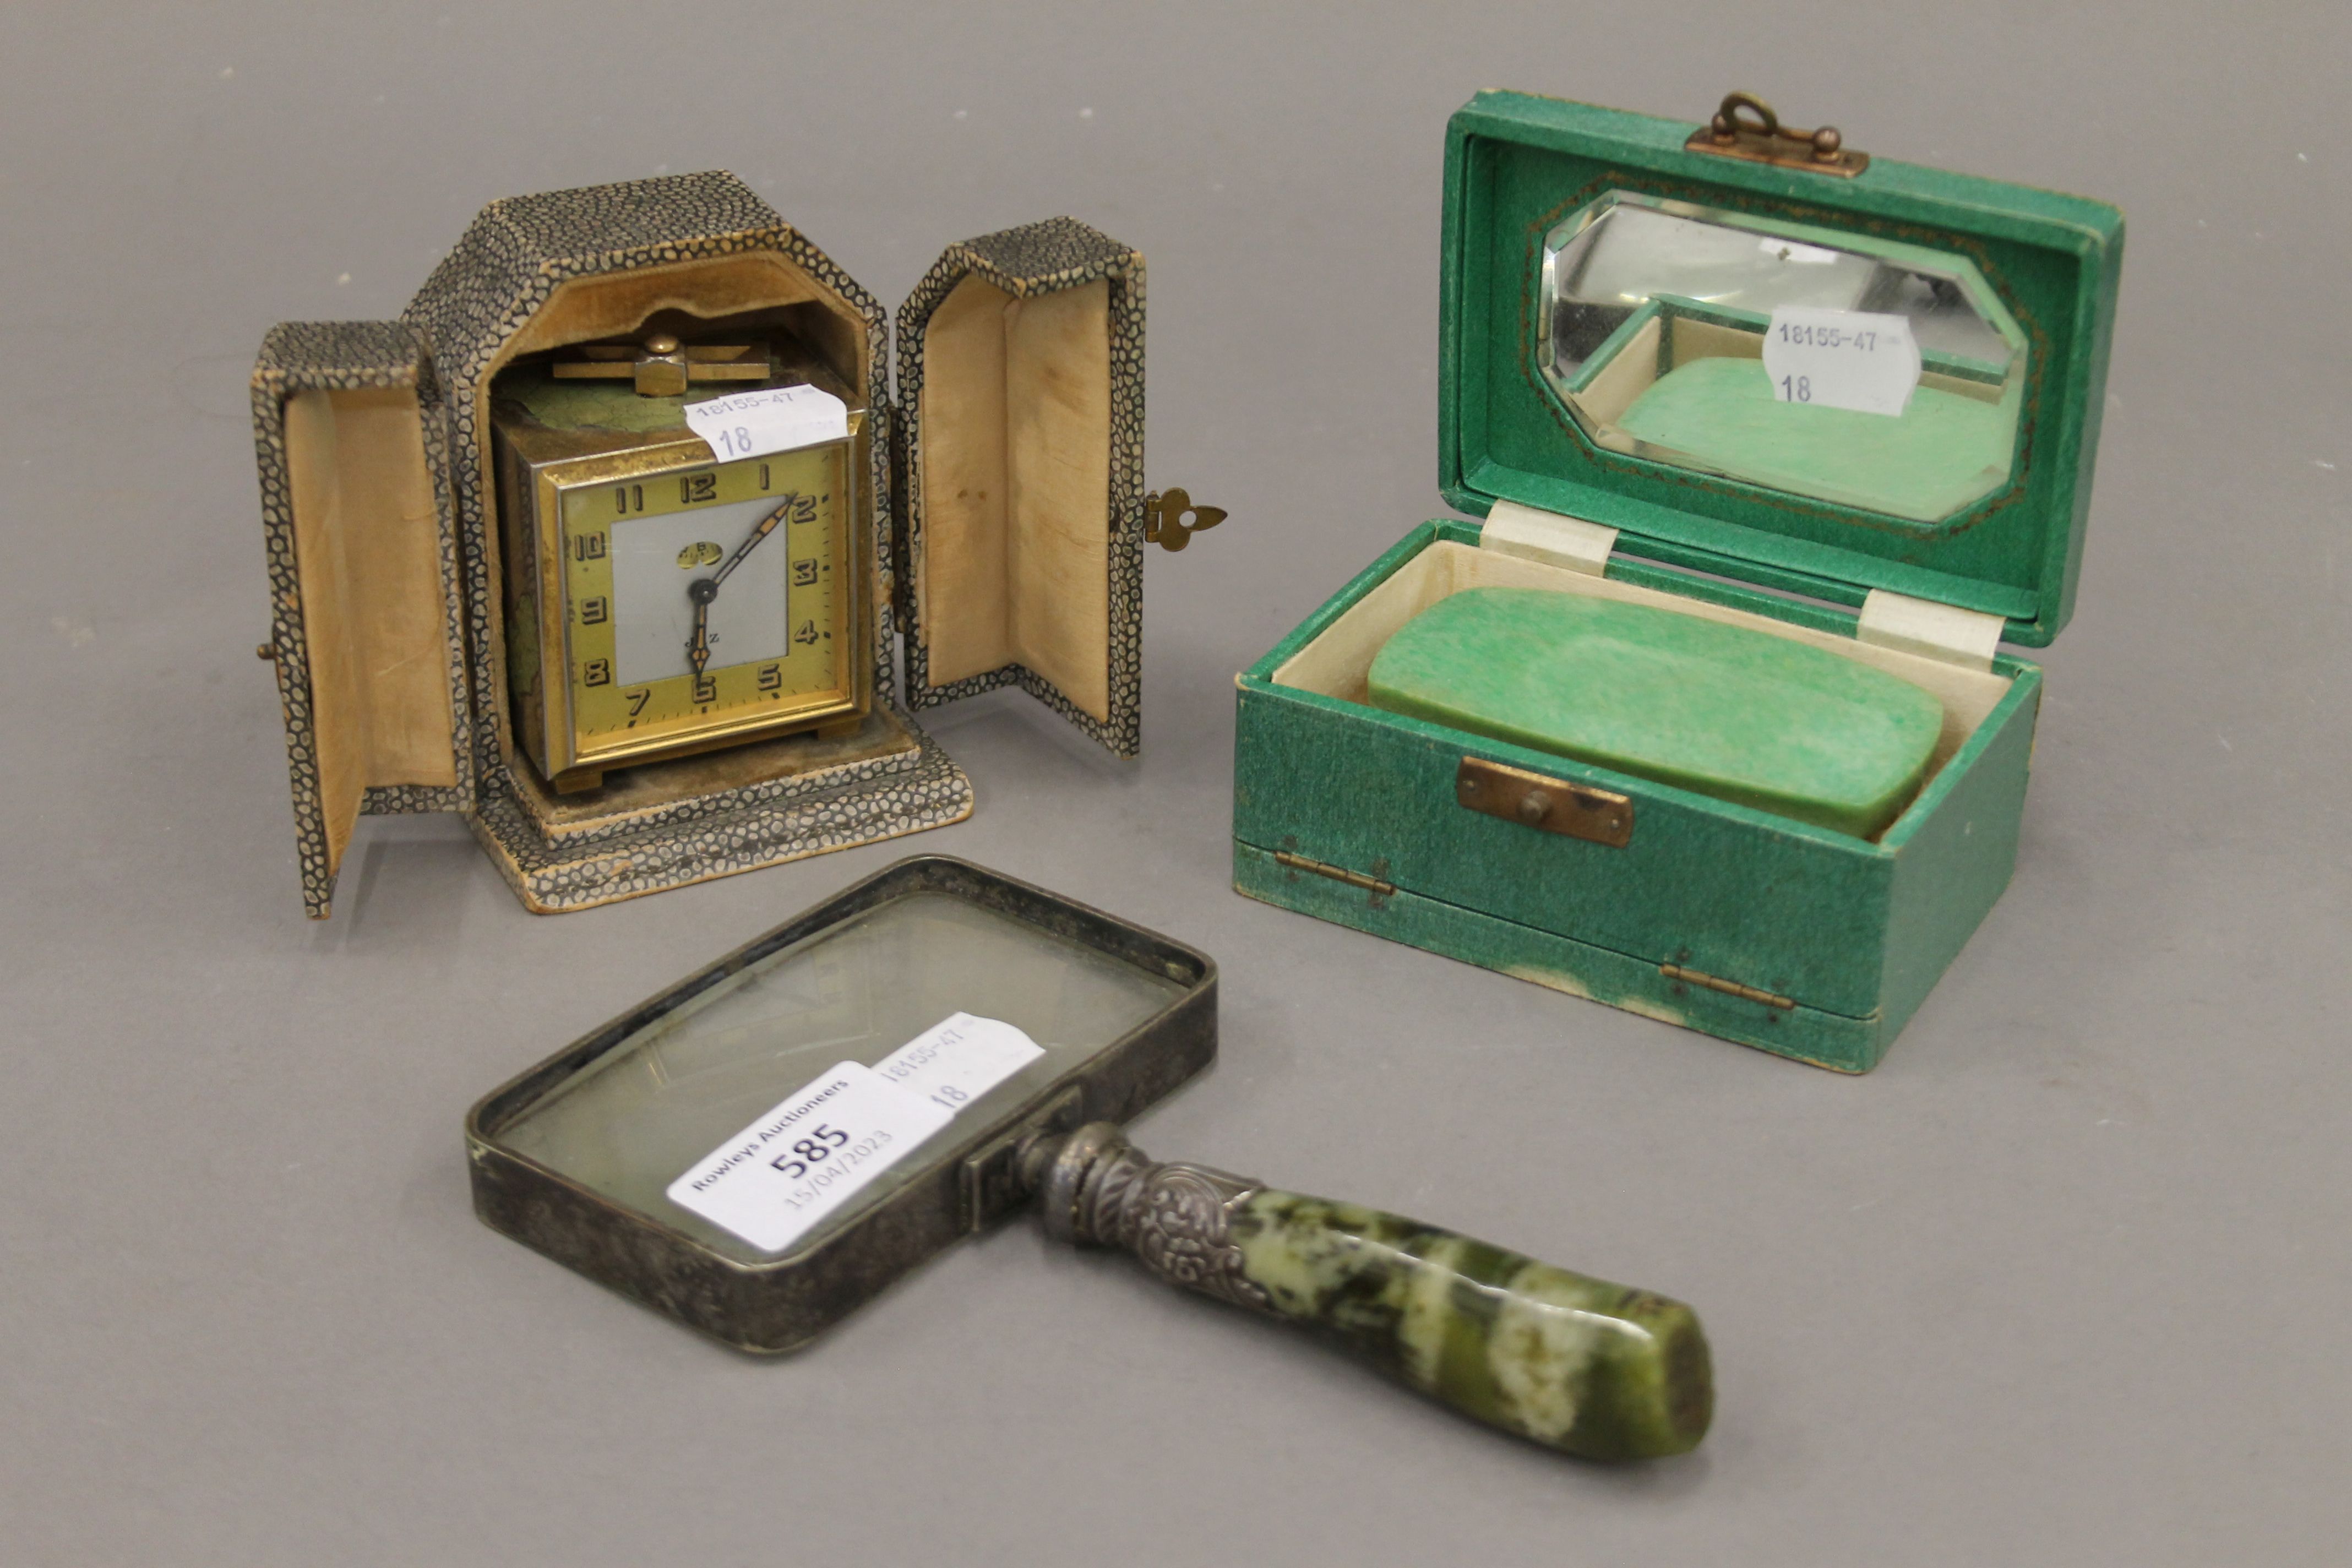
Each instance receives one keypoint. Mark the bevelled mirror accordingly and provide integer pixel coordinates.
(1864, 371)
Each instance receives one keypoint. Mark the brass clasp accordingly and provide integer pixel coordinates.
(1163, 518)
(1745, 127)
(1535, 800)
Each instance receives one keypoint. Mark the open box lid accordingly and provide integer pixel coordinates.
(1592, 257)
(1019, 446)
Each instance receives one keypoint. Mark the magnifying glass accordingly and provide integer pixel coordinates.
(769, 1143)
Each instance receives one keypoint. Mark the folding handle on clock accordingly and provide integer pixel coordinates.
(1575, 1363)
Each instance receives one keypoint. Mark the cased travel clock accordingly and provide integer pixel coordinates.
(660, 602)
(643, 534)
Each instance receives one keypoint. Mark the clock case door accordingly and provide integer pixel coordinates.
(1020, 476)
(1021, 371)
(359, 524)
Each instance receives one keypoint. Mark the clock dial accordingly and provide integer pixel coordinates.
(700, 599)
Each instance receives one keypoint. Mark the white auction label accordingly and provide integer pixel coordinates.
(1842, 359)
(772, 419)
(960, 1058)
(773, 1180)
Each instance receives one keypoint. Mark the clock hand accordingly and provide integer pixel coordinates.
(767, 526)
(702, 589)
(698, 648)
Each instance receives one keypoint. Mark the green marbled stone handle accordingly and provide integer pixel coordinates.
(1575, 1363)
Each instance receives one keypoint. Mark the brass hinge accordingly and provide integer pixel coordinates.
(1728, 987)
(1336, 873)
(1764, 140)
(1163, 518)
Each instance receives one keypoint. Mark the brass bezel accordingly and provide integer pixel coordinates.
(561, 759)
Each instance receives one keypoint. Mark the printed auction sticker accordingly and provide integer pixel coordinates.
(772, 419)
(960, 1058)
(1842, 359)
(773, 1180)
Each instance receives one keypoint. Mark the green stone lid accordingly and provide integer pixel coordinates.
(1519, 167)
(1722, 710)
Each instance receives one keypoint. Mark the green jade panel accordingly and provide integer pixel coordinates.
(1593, 1369)
(1720, 710)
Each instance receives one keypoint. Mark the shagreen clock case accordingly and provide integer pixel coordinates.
(1797, 937)
(1006, 543)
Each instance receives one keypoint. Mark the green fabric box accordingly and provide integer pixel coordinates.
(1590, 258)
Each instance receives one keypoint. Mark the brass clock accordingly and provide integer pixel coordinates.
(661, 602)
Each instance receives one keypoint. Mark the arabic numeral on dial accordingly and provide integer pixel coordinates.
(638, 698)
(804, 508)
(588, 547)
(596, 612)
(772, 677)
(806, 636)
(804, 574)
(627, 499)
(695, 489)
(596, 672)
(705, 688)
(763, 476)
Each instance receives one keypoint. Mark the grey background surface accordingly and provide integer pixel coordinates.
(2063, 1282)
